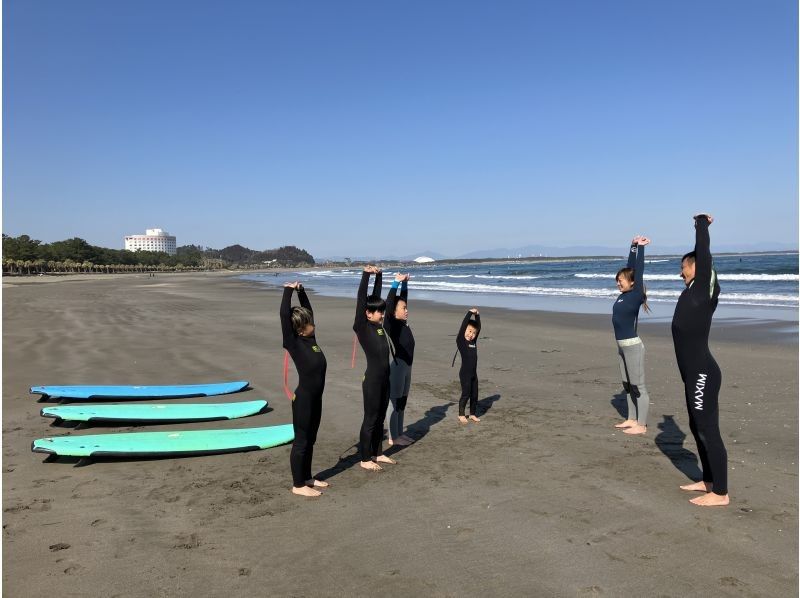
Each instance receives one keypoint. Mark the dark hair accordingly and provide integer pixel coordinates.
(301, 318)
(376, 304)
(629, 275)
(691, 256)
(474, 324)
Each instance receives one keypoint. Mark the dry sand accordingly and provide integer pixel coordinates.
(542, 498)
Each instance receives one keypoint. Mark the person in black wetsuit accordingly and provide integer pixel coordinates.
(625, 318)
(297, 326)
(467, 343)
(374, 340)
(700, 373)
(396, 324)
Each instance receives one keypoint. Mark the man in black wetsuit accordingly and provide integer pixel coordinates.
(368, 326)
(700, 373)
(297, 326)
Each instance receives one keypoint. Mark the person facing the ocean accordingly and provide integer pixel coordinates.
(467, 343)
(625, 318)
(396, 324)
(368, 326)
(700, 373)
(299, 340)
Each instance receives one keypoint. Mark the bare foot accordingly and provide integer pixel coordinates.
(306, 491)
(637, 429)
(628, 423)
(408, 439)
(711, 500)
(698, 487)
(312, 483)
(371, 466)
(462, 419)
(474, 418)
(385, 459)
(400, 441)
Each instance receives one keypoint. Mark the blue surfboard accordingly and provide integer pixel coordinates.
(159, 413)
(140, 392)
(172, 444)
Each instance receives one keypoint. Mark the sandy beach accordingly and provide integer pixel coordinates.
(542, 498)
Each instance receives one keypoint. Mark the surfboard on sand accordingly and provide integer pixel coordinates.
(167, 444)
(158, 413)
(140, 392)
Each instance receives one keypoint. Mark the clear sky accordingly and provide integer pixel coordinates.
(378, 128)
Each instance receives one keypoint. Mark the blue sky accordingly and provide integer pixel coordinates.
(380, 128)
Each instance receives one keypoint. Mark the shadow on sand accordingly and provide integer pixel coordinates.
(670, 442)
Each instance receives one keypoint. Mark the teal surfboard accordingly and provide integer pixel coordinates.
(140, 392)
(172, 444)
(161, 413)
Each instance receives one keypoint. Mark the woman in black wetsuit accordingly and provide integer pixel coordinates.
(700, 373)
(368, 326)
(297, 326)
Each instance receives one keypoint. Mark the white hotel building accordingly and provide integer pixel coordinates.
(154, 239)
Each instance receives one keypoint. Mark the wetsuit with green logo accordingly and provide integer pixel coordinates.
(375, 385)
(307, 401)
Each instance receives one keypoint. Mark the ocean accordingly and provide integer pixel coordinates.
(760, 286)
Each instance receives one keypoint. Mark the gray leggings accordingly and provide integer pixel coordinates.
(399, 385)
(631, 368)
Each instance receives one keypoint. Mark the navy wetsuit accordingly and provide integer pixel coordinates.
(468, 374)
(375, 385)
(700, 373)
(400, 367)
(625, 318)
(307, 401)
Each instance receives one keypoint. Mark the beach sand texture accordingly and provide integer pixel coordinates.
(542, 498)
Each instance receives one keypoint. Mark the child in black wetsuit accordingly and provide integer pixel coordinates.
(467, 343)
(368, 326)
(297, 326)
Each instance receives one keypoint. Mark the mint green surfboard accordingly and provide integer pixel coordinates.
(167, 444)
(160, 413)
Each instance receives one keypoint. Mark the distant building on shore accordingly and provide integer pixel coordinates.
(424, 259)
(154, 239)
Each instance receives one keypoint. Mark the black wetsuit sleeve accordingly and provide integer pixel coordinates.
(460, 340)
(632, 254)
(477, 325)
(361, 302)
(304, 302)
(702, 248)
(286, 317)
(404, 291)
(378, 288)
(391, 303)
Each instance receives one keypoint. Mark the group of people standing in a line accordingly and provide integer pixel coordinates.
(381, 327)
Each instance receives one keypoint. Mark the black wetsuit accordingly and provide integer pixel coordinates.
(307, 401)
(700, 373)
(375, 385)
(468, 374)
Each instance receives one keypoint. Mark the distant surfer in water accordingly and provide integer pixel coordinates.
(625, 318)
(700, 373)
(467, 343)
(299, 340)
(396, 324)
(368, 326)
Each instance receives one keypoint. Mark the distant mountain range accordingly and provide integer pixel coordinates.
(570, 251)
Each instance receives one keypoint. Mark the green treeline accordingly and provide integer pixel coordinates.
(23, 255)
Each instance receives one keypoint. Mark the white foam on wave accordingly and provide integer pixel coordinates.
(731, 277)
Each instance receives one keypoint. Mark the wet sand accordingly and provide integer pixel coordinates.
(542, 498)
